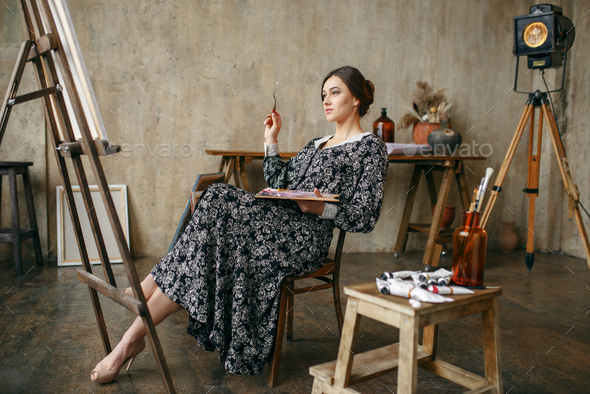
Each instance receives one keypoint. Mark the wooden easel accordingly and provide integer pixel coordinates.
(539, 100)
(45, 49)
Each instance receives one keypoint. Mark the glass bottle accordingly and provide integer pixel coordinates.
(469, 251)
(384, 128)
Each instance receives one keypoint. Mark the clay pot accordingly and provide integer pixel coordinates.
(508, 239)
(444, 141)
(448, 216)
(421, 130)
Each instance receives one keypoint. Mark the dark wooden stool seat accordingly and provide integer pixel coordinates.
(15, 234)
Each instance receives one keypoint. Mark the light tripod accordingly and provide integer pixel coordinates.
(539, 100)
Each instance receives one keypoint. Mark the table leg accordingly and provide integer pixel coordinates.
(437, 216)
(407, 375)
(229, 169)
(318, 386)
(464, 192)
(430, 339)
(238, 172)
(491, 346)
(243, 173)
(430, 184)
(223, 160)
(402, 234)
(347, 341)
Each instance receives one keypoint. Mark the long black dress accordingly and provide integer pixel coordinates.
(227, 267)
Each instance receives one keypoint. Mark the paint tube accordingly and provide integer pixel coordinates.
(454, 290)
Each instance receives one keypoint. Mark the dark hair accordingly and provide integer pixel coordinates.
(361, 88)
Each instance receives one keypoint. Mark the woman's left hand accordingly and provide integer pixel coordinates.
(315, 207)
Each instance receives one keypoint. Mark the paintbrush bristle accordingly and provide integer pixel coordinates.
(489, 172)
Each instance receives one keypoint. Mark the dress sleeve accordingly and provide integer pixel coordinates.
(361, 212)
(277, 173)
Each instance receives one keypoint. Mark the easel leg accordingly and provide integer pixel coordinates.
(402, 234)
(506, 163)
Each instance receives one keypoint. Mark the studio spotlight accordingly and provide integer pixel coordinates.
(544, 35)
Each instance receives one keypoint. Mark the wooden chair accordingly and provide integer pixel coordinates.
(202, 182)
(288, 292)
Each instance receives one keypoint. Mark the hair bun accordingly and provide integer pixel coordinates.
(370, 86)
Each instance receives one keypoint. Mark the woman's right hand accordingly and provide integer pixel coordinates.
(273, 125)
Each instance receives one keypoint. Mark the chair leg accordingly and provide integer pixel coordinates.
(337, 304)
(290, 287)
(275, 361)
(32, 217)
(18, 258)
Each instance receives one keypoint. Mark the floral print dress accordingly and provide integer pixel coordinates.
(227, 267)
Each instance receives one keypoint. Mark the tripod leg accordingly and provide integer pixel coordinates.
(532, 187)
(570, 188)
(506, 163)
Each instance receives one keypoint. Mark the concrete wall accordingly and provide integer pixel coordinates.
(202, 73)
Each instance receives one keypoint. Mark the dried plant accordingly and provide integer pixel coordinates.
(429, 106)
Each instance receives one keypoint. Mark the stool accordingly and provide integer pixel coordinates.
(407, 355)
(15, 234)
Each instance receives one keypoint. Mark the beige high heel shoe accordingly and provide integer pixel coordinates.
(100, 374)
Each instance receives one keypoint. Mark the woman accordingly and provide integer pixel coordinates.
(228, 265)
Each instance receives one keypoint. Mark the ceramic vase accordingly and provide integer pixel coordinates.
(421, 130)
(448, 216)
(444, 141)
(508, 239)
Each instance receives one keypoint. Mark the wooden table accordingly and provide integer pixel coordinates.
(437, 237)
(365, 300)
(232, 163)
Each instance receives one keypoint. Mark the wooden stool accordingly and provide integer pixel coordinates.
(15, 234)
(407, 355)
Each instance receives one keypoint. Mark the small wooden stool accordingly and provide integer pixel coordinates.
(407, 355)
(15, 234)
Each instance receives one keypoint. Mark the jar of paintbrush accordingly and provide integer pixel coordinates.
(470, 241)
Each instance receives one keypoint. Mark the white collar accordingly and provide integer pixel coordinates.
(357, 137)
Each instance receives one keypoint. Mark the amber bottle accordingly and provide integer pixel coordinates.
(469, 251)
(384, 128)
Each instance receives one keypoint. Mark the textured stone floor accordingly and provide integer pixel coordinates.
(50, 343)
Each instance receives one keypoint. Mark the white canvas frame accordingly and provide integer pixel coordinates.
(68, 253)
(77, 68)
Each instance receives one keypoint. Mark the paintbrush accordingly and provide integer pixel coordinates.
(273, 96)
(484, 186)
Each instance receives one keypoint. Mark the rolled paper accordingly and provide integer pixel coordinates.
(454, 290)
(432, 282)
(403, 274)
(444, 281)
(386, 275)
(441, 272)
(426, 296)
(408, 289)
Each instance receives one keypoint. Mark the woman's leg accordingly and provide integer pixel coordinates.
(148, 286)
(160, 307)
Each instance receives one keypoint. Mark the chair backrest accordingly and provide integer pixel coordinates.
(202, 182)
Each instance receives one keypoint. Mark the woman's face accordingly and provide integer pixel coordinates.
(339, 103)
